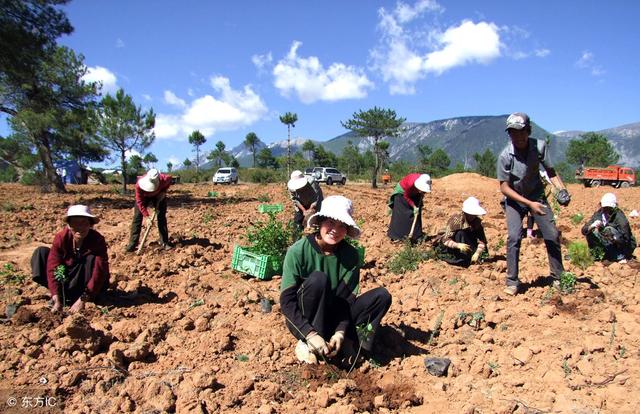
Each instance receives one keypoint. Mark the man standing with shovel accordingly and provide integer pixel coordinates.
(151, 189)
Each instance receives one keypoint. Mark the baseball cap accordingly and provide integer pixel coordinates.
(518, 120)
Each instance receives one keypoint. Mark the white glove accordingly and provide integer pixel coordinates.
(317, 344)
(335, 343)
(463, 247)
(475, 257)
(596, 224)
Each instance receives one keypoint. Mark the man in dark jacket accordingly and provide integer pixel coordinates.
(608, 232)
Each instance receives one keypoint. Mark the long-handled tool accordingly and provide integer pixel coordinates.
(413, 225)
(146, 232)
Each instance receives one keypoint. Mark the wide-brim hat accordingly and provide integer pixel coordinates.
(423, 183)
(609, 200)
(79, 210)
(518, 120)
(297, 181)
(338, 208)
(472, 206)
(150, 181)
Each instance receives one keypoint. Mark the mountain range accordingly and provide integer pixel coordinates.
(460, 138)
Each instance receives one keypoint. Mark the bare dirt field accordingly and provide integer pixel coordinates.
(182, 332)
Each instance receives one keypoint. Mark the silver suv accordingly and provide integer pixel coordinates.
(227, 175)
(327, 175)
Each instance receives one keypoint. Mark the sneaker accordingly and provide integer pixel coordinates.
(167, 246)
(304, 354)
(511, 290)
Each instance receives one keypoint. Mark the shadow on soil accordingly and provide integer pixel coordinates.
(121, 299)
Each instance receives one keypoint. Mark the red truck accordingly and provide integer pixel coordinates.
(613, 175)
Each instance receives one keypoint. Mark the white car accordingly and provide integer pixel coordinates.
(227, 175)
(327, 175)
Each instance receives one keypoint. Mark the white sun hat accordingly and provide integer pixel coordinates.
(338, 208)
(609, 200)
(423, 183)
(150, 181)
(472, 206)
(79, 210)
(297, 181)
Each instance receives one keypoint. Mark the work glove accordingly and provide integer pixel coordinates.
(317, 344)
(595, 225)
(563, 197)
(335, 343)
(463, 247)
(475, 257)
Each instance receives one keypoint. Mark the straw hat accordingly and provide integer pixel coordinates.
(150, 181)
(338, 208)
(80, 210)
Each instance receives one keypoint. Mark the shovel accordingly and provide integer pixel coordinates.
(146, 232)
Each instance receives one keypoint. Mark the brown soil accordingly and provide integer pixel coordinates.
(182, 332)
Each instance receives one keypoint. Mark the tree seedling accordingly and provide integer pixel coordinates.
(493, 366)
(566, 368)
(242, 357)
(196, 303)
(577, 218)
(436, 328)
(567, 282)
(60, 275)
(9, 275)
(580, 255)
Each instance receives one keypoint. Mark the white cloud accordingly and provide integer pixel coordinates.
(147, 97)
(542, 52)
(587, 61)
(311, 82)
(260, 61)
(467, 43)
(229, 109)
(120, 43)
(172, 99)
(190, 92)
(129, 153)
(406, 13)
(100, 74)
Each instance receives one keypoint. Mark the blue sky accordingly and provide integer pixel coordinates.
(229, 68)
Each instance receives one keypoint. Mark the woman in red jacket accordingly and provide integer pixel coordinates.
(406, 206)
(76, 267)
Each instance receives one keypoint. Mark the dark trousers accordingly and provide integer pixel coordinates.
(402, 219)
(612, 251)
(455, 256)
(77, 275)
(316, 301)
(136, 224)
(515, 213)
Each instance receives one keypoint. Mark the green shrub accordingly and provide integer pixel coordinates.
(567, 282)
(580, 255)
(265, 176)
(407, 259)
(577, 218)
(9, 275)
(270, 237)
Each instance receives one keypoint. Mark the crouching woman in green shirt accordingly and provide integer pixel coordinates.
(320, 282)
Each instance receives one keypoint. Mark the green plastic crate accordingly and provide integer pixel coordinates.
(270, 208)
(262, 266)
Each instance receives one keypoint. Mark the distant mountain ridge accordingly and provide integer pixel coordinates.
(460, 138)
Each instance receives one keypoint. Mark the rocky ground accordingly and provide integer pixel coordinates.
(182, 332)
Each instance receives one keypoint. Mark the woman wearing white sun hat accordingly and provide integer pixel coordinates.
(608, 230)
(82, 252)
(306, 195)
(406, 206)
(463, 237)
(320, 281)
(151, 190)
